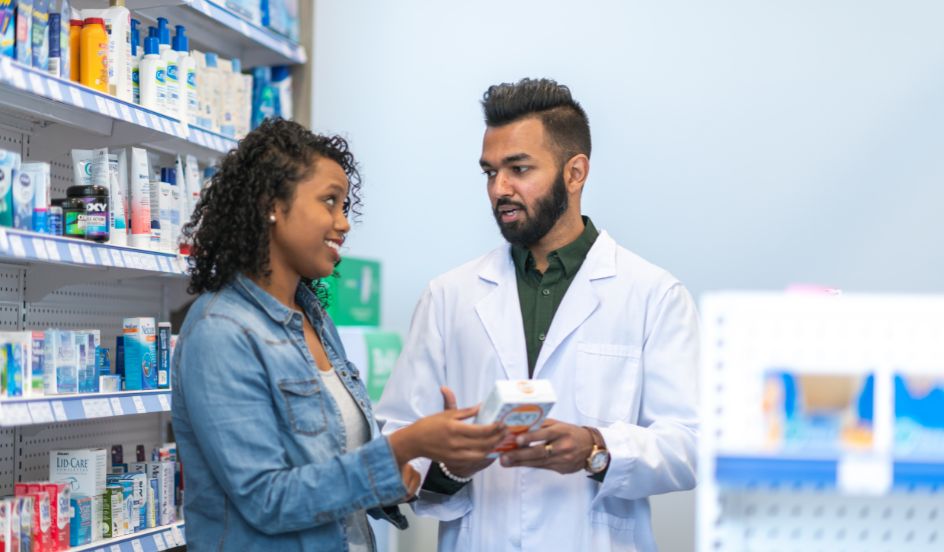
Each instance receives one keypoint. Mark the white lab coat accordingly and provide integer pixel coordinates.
(621, 354)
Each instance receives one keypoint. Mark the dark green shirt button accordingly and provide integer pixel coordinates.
(541, 337)
(545, 292)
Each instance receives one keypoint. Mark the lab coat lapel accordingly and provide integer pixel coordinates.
(500, 313)
(581, 298)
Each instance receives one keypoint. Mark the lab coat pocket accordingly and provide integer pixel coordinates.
(616, 513)
(304, 404)
(607, 376)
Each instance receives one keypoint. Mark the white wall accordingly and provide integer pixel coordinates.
(738, 144)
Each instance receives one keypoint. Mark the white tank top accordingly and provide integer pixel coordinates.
(357, 434)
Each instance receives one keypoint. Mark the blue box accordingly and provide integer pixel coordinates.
(163, 355)
(7, 28)
(61, 363)
(80, 528)
(38, 352)
(140, 353)
(24, 32)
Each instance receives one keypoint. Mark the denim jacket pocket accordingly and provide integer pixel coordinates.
(305, 406)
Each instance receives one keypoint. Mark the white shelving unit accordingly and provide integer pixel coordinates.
(802, 445)
(48, 281)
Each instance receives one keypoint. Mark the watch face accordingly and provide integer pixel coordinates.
(599, 460)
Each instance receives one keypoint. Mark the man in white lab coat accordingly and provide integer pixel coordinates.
(616, 336)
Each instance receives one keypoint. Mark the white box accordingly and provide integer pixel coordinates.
(522, 405)
(83, 469)
(5, 524)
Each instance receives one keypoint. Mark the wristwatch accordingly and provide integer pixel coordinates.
(599, 458)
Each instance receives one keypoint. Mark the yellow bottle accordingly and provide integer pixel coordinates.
(75, 31)
(93, 54)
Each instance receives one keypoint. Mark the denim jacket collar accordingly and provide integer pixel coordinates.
(305, 298)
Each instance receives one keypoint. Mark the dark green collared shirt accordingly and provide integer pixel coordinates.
(540, 294)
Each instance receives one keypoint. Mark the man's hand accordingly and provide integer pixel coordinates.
(411, 480)
(565, 450)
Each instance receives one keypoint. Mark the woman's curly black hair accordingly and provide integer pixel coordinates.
(229, 229)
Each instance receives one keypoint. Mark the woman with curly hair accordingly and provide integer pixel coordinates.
(275, 431)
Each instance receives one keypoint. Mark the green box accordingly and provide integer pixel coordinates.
(354, 297)
(383, 349)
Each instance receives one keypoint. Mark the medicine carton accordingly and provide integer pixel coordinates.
(59, 510)
(83, 469)
(140, 353)
(61, 371)
(80, 526)
(522, 405)
(6, 536)
(41, 520)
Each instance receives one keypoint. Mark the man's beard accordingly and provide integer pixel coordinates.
(547, 211)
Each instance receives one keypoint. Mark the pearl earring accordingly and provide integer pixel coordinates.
(272, 219)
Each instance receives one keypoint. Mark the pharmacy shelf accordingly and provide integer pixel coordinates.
(164, 537)
(213, 27)
(30, 246)
(80, 261)
(24, 411)
(821, 473)
(60, 113)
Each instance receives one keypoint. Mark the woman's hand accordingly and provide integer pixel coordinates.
(446, 438)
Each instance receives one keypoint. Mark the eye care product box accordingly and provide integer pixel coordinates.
(5, 522)
(83, 346)
(140, 353)
(164, 473)
(61, 374)
(83, 469)
(89, 341)
(60, 512)
(139, 491)
(13, 507)
(153, 503)
(163, 355)
(97, 516)
(7, 30)
(25, 508)
(128, 520)
(522, 405)
(38, 365)
(42, 517)
(112, 511)
(80, 525)
(11, 357)
(40, 522)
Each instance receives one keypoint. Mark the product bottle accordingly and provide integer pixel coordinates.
(135, 61)
(118, 22)
(171, 70)
(211, 102)
(75, 32)
(151, 75)
(186, 66)
(93, 54)
(282, 80)
(65, 55)
(229, 91)
(265, 98)
(55, 52)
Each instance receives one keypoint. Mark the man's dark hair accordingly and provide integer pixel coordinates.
(565, 122)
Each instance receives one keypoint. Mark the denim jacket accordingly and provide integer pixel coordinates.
(260, 437)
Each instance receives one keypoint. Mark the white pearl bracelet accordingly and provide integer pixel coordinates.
(453, 476)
